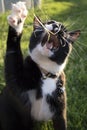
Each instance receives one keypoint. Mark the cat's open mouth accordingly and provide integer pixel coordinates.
(51, 42)
(50, 46)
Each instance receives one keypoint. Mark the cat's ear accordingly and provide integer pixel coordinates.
(37, 22)
(74, 35)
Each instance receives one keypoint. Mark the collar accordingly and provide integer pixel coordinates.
(47, 74)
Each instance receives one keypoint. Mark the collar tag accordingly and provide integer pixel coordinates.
(62, 88)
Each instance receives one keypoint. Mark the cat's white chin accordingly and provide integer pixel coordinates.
(44, 50)
(41, 57)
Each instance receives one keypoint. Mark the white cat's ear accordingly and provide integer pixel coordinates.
(74, 35)
(37, 22)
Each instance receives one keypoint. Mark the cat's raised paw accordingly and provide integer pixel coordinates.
(20, 9)
(12, 20)
(18, 15)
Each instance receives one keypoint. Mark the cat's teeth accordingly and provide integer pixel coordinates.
(49, 45)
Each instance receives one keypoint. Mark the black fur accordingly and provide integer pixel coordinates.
(20, 76)
(24, 75)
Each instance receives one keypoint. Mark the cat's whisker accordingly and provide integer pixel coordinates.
(80, 47)
(68, 24)
(71, 25)
(81, 44)
(82, 28)
(84, 32)
(76, 52)
(69, 21)
(70, 56)
(65, 39)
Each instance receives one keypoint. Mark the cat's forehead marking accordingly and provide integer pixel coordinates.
(49, 26)
(53, 26)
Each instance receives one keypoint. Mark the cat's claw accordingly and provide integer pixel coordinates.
(17, 17)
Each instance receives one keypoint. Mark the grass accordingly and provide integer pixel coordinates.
(73, 14)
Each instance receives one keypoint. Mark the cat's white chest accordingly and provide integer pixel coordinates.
(49, 85)
(40, 109)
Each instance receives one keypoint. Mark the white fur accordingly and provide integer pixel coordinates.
(40, 110)
(39, 107)
(62, 88)
(49, 27)
(44, 62)
(19, 11)
(44, 51)
(49, 86)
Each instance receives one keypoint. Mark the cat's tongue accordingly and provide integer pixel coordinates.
(49, 45)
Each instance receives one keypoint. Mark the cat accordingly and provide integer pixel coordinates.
(35, 86)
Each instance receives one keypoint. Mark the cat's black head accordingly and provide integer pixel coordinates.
(51, 41)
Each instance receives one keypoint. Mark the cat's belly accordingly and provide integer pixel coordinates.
(40, 109)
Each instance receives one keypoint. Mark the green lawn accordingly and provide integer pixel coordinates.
(73, 13)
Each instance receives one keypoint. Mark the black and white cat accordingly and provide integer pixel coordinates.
(35, 87)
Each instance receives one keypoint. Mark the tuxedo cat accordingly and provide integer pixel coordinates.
(35, 87)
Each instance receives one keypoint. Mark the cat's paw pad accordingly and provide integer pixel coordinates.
(18, 15)
(12, 21)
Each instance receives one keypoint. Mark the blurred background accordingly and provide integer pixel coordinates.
(6, 4)
(73, 14)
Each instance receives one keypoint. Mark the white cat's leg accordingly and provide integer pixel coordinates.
(16, 19)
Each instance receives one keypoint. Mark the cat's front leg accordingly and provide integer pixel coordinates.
(14, 59)
(59, 123)
(18, 15)
(60, 119)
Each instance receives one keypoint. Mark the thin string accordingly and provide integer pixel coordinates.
(48, 31)
(43, 26)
